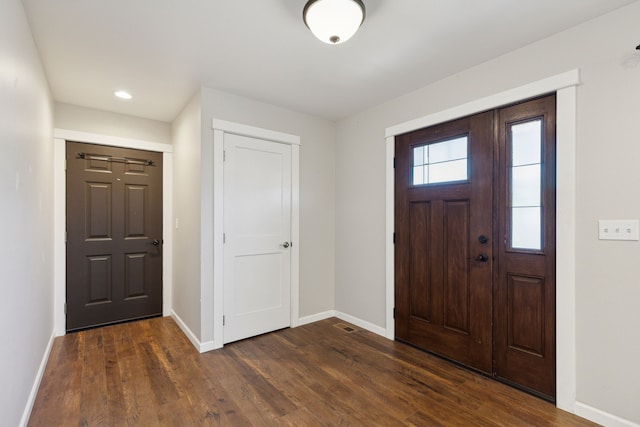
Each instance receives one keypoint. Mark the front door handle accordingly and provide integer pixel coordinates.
(156, 242)
(482, 258)
(285, 245)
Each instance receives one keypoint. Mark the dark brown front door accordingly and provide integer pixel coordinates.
(475, 252)
(443, 253)
(114, 235)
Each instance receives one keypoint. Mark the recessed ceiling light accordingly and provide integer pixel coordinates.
(122, 94)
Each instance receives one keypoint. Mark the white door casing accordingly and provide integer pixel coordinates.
(214, 242)
(61, 136)
(257, 237)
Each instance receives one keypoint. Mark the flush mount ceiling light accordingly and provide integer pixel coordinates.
(122, 94)
(333, 21)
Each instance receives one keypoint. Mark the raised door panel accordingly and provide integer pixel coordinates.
(420, 284)
(99, 280)
(136, 213)
(136, 279)
(456, 266)
(98, 211)
(526, 314)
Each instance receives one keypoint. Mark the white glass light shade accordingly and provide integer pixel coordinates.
(334, 21)
(122, 94)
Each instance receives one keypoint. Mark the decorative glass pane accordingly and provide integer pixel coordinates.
(526, 226)
(526, 145)
(418, 175)
(444, 161)
(446, 151)
(418, 156)
(525, 186)
(449, 171)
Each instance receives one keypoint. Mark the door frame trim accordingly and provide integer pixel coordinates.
(565, 86)
(212, 231)
(61, 136)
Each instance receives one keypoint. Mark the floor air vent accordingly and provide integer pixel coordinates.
(345, 328)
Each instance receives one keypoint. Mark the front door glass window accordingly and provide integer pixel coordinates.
(440, 162)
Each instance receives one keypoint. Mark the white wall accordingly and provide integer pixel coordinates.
(26, 266)
(73, 117)
(186, 131)
(317, 185)
(607, 289)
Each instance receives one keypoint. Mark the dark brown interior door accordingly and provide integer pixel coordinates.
(525, 274)
(114, 235)
(443, 252)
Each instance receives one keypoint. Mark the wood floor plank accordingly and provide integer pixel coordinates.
(60, 390)
(147, 373)
(115, 392)
(94, 402)
(136, 387)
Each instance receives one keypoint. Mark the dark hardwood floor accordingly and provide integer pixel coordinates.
(147, 373)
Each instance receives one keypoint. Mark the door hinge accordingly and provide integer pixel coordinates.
(394, 312)
(224, 319)
(394, 162)
(224, 155)
(224, 237)
(65, 308)
(394, 238)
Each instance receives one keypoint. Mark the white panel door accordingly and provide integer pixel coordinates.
(257, 227)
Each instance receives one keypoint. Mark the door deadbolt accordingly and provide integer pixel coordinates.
(482, 258)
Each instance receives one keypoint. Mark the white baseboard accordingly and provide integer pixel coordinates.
(342, 316)
(316, 317)
(362, 324)
(208, 346)
(36, 384)
(202, 347)
(601, 417)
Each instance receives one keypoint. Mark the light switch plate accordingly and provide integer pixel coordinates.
(620, 229)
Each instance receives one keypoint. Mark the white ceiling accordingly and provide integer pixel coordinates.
(163, 50)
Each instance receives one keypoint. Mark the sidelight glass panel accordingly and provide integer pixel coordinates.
(525, 228)
(526, 146)
(441, 162)
(525, 181)
(525, 186)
